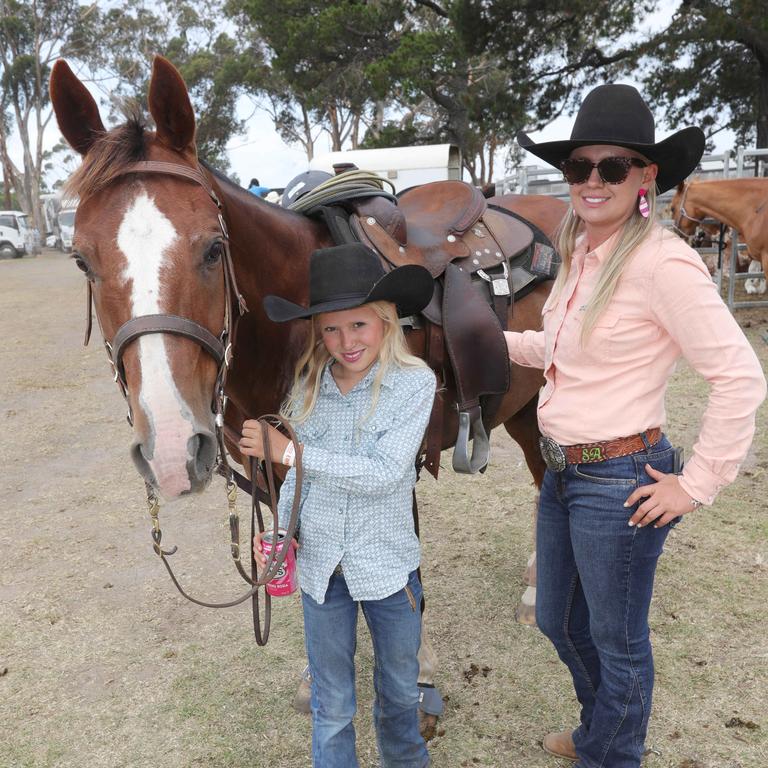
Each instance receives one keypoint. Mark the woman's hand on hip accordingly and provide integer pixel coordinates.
(664, 500)
(252, 442)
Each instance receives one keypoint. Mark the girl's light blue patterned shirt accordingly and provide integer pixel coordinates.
(359, 474)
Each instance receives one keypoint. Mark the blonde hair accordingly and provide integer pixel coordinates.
(635, 229)
(307, 375)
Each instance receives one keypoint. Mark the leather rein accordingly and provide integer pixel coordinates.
(220, 349)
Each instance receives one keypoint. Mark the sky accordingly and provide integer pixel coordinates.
(262, 154)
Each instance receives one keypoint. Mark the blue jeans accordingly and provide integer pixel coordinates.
(593, 591)
(330, 631)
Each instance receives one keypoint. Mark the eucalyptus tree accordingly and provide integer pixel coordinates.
(194, 36)
(487, 69)
(318, 56)
(710, 66)
(32, 35)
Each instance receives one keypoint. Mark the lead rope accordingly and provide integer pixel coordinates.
(275, 559)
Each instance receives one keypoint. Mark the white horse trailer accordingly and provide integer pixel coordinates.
(403, 166)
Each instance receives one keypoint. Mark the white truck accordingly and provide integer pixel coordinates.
(14, 235)
(66, 220)
(403, 166)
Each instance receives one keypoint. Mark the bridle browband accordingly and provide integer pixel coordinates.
(220, 349)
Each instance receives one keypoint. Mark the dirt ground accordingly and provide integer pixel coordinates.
(103, 664)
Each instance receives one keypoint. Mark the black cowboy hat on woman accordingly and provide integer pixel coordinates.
(630, 300)
(360, 403)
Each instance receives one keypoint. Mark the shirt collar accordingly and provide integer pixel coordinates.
(602, 250)
(327, 383)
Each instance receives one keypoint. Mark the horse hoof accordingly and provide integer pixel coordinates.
(529, 577)
(526, 610)
(427, 725)
(303, 694)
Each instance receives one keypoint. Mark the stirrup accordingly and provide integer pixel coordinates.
(481, 447)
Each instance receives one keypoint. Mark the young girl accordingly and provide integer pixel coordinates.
(631, 298)
(360, 403)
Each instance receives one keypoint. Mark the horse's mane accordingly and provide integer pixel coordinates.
(109, 155)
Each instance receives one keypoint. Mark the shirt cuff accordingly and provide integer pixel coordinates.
(700, 483)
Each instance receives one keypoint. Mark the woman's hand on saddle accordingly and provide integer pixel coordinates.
(252, 443)
(664, 500)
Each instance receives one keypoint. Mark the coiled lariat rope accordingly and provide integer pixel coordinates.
(275, 559)
(345, 186)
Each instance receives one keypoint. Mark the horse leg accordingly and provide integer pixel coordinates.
(523, 428)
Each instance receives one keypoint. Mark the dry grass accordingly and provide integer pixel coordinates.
(108, 666)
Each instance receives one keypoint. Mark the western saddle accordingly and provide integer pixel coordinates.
(482, 257)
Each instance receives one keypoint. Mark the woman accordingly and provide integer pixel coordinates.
(360, 403)
(629, 300)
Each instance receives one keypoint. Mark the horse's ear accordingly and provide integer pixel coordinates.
(76, 110)
(170, 107)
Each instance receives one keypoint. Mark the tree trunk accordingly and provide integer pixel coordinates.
(309, 144)
(762, 118)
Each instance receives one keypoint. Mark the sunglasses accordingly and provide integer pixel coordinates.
(612, 170)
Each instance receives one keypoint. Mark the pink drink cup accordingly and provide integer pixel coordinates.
(285, 582)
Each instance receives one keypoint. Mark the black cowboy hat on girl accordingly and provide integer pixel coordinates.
(348, 276)
(616, 115)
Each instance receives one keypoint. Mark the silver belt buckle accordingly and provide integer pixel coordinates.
(552, 453)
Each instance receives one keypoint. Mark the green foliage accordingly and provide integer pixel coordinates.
(190, 35)
(320, 56)
(488, 69)
(710, 66)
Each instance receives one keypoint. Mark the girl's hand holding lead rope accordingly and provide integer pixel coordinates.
(252, 442)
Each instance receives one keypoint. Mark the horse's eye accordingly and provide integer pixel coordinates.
(214, 254)
(81, 263)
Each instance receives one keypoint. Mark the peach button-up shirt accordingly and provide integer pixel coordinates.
(665, 305)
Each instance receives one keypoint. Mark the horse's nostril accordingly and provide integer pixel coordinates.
(202, 448)
(141, 460)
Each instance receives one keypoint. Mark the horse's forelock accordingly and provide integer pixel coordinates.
(110, 154)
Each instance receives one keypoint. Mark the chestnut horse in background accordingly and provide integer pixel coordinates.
(150, 243)
(738, 203)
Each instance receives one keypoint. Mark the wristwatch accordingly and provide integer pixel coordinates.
(695, 503)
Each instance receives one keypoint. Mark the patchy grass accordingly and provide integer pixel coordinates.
(108, 667)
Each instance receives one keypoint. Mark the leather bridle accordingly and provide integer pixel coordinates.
(220, 349)
(683, 214)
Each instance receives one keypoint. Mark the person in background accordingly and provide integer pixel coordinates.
(256, 189)
(630, 300)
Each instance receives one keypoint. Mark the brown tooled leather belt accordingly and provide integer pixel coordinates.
(558, 456)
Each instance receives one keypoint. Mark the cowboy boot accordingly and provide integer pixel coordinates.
(303, 693)
(560, 744)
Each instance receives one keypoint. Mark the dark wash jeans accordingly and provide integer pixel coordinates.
(330, 632)
(594, 584)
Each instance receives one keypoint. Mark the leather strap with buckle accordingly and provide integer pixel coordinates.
(557, 457)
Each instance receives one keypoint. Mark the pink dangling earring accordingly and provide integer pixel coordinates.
(642, 203)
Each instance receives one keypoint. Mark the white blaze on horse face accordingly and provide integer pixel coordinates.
(145, 236)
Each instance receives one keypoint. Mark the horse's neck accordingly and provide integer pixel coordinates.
(270, 252)
(271, 246)
(729, 201)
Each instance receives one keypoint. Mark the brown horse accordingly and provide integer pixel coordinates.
(738, 203)
(151, 243)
